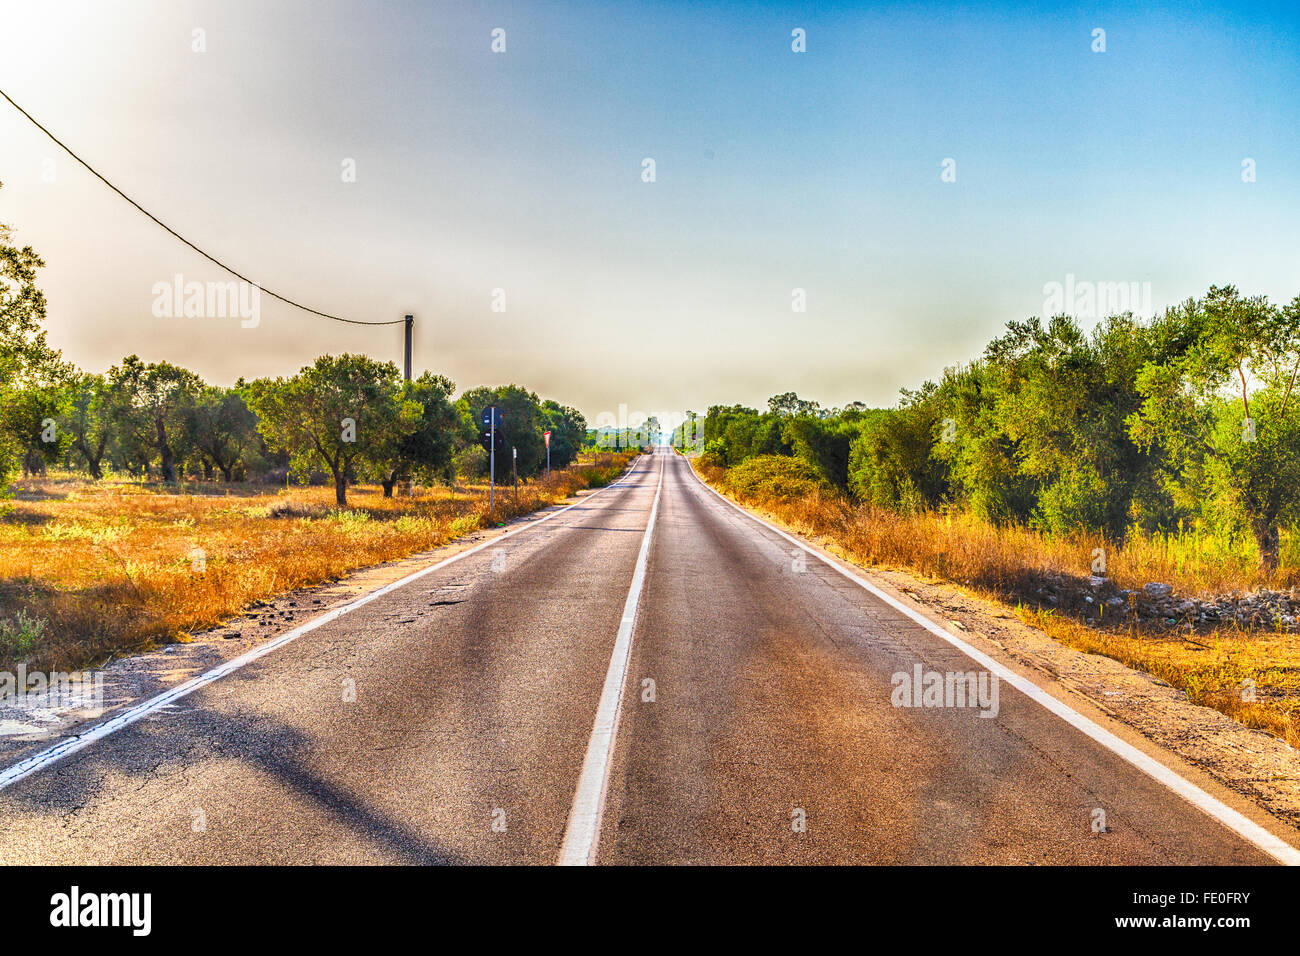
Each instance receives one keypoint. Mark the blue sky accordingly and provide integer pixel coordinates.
(521, 171)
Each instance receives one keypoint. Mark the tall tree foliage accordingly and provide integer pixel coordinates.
(221, 427)
(154, 401)
(522, 425)
(88, 420)
(426, 449)
(26, 359)
(342, 413)
(568, 429)
(1225, 413)
(1135, 424)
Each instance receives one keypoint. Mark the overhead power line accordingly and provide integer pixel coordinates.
(211, 258)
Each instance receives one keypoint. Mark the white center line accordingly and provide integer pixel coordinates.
(70, 745)
(582, 834)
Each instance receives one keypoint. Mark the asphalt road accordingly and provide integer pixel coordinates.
(756, 725)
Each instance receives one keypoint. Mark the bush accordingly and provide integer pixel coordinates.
(776, 477)
(288, 508)
(471, 464)
(1076, 501)
(19, 635)
(890, 464)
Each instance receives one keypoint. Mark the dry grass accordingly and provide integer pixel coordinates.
(1209, 668)
(1015, 559)
(1008, 565)
(109, 567)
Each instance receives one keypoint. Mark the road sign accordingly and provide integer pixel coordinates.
(547, 436)
(493, 440)
(490, 429)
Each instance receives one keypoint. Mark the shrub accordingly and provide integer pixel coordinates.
(776, 477)
(20, 634)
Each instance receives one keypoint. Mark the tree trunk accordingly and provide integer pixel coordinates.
(1269, 540)
(226, 471)
(341, 488)
(168, 463)
(389, 481)
(93, 459)
(92, 462)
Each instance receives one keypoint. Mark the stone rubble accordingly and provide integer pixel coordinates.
(1097, 598)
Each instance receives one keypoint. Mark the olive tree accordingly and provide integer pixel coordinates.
(341, 413)
(1226, 411)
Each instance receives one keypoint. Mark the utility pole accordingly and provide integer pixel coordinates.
(410, 322)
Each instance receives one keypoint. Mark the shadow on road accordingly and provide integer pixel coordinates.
(167, 747)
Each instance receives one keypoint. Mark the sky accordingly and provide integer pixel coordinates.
(922, 172)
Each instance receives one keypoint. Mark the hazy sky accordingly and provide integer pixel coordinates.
(522, 171)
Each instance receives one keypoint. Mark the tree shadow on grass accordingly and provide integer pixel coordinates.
(30, 519)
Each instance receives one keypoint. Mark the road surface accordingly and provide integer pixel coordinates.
(455, 720)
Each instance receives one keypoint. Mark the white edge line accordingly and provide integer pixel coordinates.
(582, 833)
(1240, 824)
(70, 745)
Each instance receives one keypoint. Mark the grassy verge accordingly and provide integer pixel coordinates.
(1212, 665)
(89, 571)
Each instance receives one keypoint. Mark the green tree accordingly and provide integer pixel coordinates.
(1224, 411)
(221, 428)
(26, 359)
(1064, 399)
(974, 445)
(88, 420)
(568, 429)
(788, 403)
(823, 443)
(31, 415)
(522, 424)
(891, 462)
(339, 413)
(156, 400)
(427, 448)
(728, 433)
